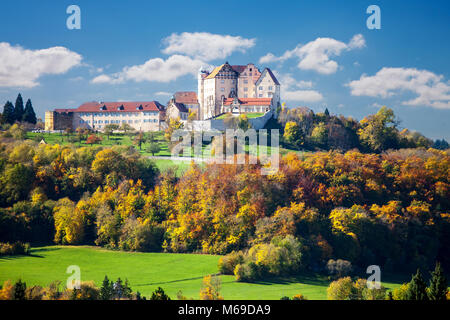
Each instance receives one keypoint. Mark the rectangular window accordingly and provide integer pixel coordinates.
(260, 88)
(222, 89)
(245, 89)
(246, 81)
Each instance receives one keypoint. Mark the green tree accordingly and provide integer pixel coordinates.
(159, 294)
(438, 284)
(379, 132)
(110, 128)
(153, 148)
(126, 128)
(29, 115)
(18, 109)
(8, 113)
(106, 291)
(319, 134)
(19, 290)
(417, 289)
(293, 134)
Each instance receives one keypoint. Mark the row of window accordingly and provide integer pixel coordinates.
(119, 114)
(115, 121)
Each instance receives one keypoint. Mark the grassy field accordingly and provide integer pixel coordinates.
(113, 140)
(250, 115)
(147, 271)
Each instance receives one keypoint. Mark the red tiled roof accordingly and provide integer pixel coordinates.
(63, 110)
(238, 68)
(250, 101)
(186, 97)
(116, 107)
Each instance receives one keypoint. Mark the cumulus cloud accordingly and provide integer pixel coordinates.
(303, 95)
(357, 42)
(298, 90)
(156, 69)
(163, 93)
(316, 55)
(189, 52)
(21, 67)
(206, 46)
(430, 88)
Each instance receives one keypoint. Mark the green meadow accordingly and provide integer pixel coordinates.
(147, 271)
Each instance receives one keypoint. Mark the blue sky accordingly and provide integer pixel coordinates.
(124, 49)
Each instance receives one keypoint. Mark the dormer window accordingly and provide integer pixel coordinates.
(139, 108)
(120, 108)
(102, 108)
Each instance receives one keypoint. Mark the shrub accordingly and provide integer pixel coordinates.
(15, 248)
(228, 263)
(281, 256)
(87, 291)
(339, 268)
(299, 297)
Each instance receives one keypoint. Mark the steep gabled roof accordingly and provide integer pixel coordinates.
(269, 72)
(187, 97)
(116, 106)
(238, 69)
(214, 73)
(249, 101)
(181, 107)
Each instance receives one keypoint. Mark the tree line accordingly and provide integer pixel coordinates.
(17, 112)
(304, 129)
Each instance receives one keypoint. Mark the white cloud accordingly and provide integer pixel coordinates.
(21, 67)
(357, 42)
(303, 95)
(156, 70)
(430, 88)
(316, 55)
(206, 46)
(163, 93)
(294, 90)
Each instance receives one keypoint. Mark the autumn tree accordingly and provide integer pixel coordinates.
(172, 125)
(93, 139)
(211, 288)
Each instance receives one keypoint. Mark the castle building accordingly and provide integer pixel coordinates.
(142, 116)
(182, 104)
(236, 81)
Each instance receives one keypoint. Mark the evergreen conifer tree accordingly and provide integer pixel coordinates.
(417, 289)
(106, 291)
(19, 290)
(29, 115)
(438, 284)
(8, 113)
(18, 109)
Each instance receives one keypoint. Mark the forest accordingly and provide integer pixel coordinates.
(377, 202)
